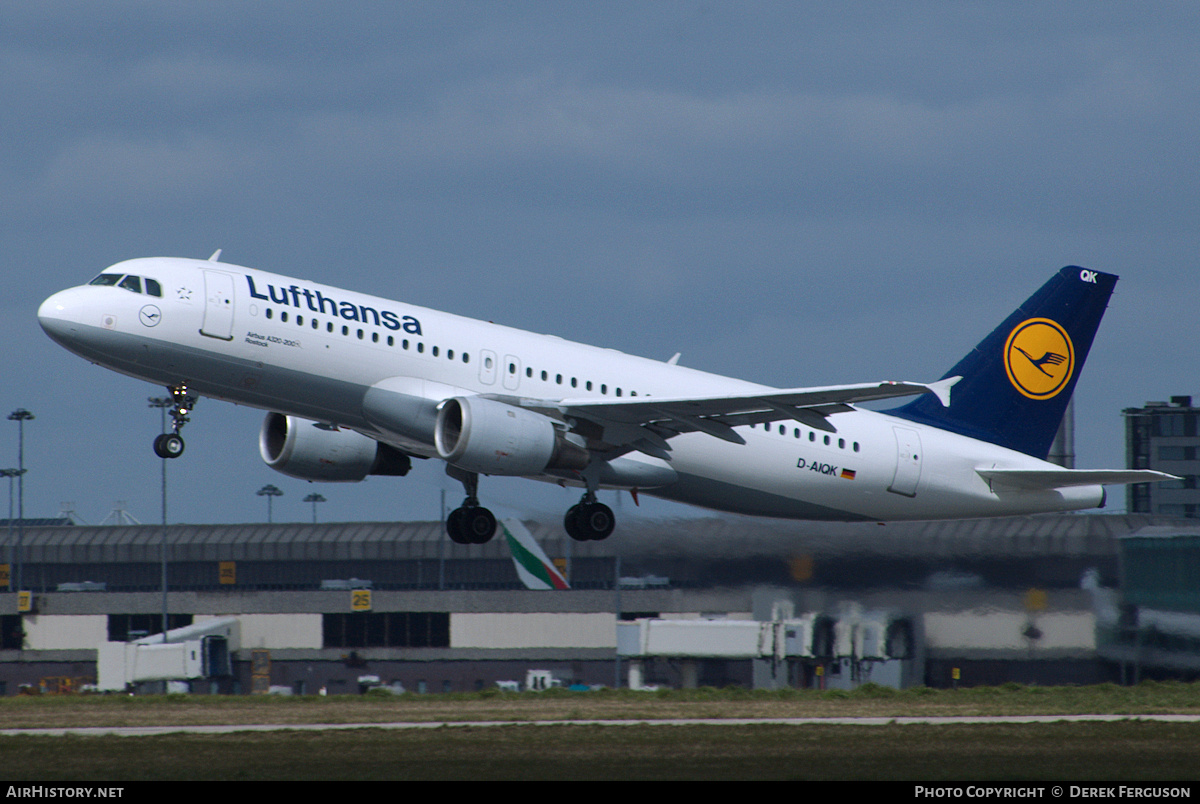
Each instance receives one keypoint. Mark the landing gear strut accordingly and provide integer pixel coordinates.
(470, 523)
(170, 445)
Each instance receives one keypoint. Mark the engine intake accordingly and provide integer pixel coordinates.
(302, 448)
(492, 438)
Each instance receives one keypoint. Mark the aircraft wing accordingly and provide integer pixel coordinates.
(645, 423)
(1034, 479)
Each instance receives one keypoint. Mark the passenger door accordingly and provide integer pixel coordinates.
(218, 305)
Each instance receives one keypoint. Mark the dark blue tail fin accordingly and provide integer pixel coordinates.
(1016, 383)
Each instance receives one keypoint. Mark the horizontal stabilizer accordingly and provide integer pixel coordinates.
(1034, 479)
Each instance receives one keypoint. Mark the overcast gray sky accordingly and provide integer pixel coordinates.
(791, 193)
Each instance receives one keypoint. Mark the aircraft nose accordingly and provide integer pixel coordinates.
(55, 318)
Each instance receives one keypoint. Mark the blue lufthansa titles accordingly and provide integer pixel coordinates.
(317, 302)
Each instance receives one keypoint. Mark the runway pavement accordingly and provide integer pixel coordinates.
(146, 731)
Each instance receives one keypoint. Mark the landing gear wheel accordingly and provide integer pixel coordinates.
(479, 524)
(471, 525)
(168, 445)
(589, 522)
(454, 527)
(569, 524)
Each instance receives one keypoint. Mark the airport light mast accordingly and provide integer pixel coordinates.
(270, 492)
(20, 416)
(314, 498)
(10, 474)
(162, 403)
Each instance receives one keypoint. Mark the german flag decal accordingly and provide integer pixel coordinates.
(848, 474)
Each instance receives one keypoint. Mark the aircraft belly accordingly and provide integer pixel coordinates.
(764, 477)
(232, 378)
(721, 495)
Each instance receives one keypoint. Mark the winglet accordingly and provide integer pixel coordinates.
(216, 256)
(941, 389)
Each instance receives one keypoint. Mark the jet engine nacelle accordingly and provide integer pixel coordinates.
(304, 449)
(492, 438)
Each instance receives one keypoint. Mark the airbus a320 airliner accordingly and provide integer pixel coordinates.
(357, 385)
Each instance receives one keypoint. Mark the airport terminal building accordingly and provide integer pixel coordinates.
(339, 608)
(1165, 436)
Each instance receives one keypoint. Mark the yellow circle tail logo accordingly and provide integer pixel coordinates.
(1039, 358)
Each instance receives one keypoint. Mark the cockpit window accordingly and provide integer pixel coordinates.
(129, 282)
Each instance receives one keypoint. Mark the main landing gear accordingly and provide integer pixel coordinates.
(589, 520)
(470, 523)
(170, 445)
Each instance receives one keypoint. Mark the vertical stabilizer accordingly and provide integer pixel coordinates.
(1016, 383)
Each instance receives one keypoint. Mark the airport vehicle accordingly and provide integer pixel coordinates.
(358, 385)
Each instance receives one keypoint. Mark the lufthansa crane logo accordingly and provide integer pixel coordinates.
(1039, 358)
(150, 315)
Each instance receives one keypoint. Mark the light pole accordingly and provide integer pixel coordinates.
(162, 403)
(20, 416)
(314, 498)
(270, 492)
(10, 474)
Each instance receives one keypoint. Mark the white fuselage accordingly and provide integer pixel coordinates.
(313, 351)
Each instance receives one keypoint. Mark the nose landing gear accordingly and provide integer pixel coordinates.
(170, 445)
